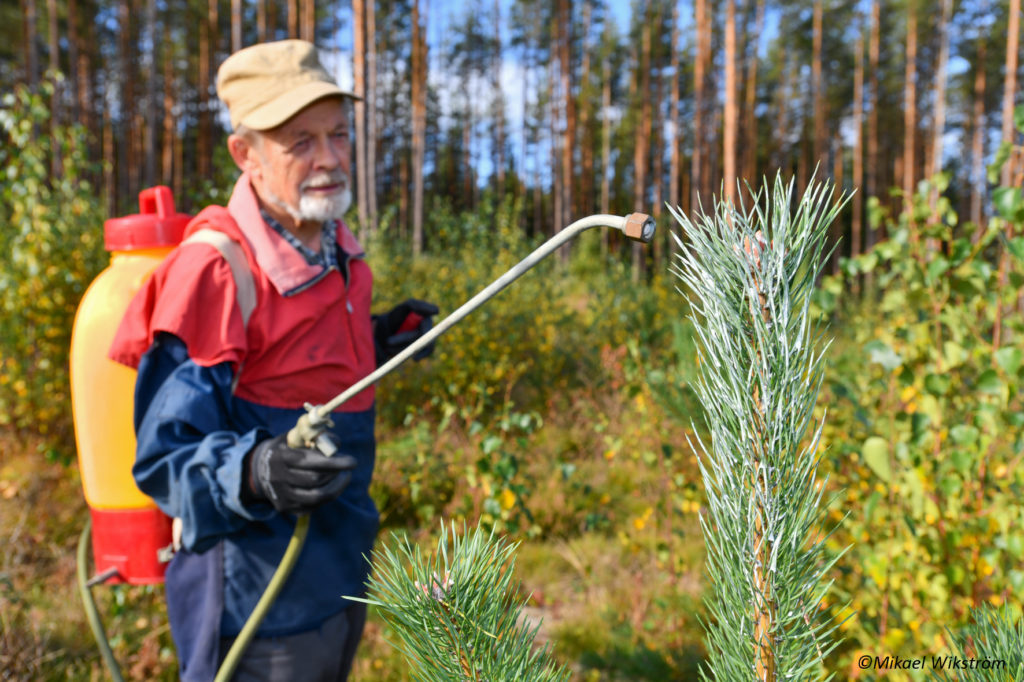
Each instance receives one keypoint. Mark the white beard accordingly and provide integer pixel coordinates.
(317, 208)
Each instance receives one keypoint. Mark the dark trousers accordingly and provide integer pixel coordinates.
(321, 655)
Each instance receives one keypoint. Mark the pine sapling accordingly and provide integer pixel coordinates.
(456, 614)
(989, 650)
(749, 274)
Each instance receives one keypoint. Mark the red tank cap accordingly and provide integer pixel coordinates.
(155, 225)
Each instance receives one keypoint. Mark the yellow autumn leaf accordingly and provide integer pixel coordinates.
(507, 499)
(894, 639)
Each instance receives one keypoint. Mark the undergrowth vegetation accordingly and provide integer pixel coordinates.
(51, 247)
(924, 427)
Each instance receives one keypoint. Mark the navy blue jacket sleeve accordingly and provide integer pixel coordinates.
(189, 457)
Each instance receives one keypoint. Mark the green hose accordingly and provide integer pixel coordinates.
(291, 554)
(90, 604)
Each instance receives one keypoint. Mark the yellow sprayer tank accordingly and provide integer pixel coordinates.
(128, 529)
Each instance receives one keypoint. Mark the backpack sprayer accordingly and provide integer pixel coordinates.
(310, 429)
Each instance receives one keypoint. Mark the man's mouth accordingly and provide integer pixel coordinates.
(325, 189)
(324, 185)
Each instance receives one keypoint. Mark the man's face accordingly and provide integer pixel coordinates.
(302, 167)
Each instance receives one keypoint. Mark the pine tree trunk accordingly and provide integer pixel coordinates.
(53, 38)
(836, 228)
(818, 85)
(31, 51)
(643, 142)
(359, 109)
(109, 177)
(213, 17)
(731, 112)
(1007, 177)
(152, 96)
(370, 114)
(308, 30)
(857, 201)
(750, 119)
(939, 116)
(499, 111)
(261, 20)
(236, 25)
(910, 108)
(53, 67)
(702, 26)
(569, 111)
(657, 162)
(606, 138)
(555, 139)
(179, 167)
(1010, 84)
(468, 184)
(126, 167)
(167, 157)
(86, 59)
(584, 198)
(204, 133)
(873, 160)
(293, 18)
(674, 143)
(780, 148)
(403, 197)
(803, 164)
(73, 54)
(978, 139)
(419, 118)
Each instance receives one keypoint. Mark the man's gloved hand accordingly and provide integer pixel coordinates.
(395, 330)
(294, 479)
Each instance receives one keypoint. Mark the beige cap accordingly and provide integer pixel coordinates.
(264, 85)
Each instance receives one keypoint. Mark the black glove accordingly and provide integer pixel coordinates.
(293, 479)
(395, 330)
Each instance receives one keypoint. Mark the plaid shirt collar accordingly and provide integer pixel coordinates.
(328, 254)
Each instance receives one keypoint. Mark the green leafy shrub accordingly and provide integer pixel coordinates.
(924, 430)
(51, 248)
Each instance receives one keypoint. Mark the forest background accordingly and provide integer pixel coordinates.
(559, 414)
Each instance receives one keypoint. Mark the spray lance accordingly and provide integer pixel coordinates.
(310, 430)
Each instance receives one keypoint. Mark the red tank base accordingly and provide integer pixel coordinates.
(129, 541)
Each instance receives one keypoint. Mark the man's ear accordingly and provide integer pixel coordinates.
(242, 152)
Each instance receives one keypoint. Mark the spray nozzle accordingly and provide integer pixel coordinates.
(640, 227)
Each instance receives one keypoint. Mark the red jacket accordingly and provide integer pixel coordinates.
(299, 346)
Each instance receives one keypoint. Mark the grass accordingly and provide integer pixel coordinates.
(616, 583)
(43, 631)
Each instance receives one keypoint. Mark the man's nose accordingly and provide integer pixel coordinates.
(328, 155)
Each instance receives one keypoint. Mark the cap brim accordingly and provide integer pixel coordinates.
(286, 105)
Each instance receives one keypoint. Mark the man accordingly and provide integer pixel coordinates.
(216, 393)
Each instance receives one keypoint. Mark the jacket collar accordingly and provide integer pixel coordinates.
(284, 266)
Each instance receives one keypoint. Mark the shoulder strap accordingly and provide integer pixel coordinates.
(245, 295)
(232, 252)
